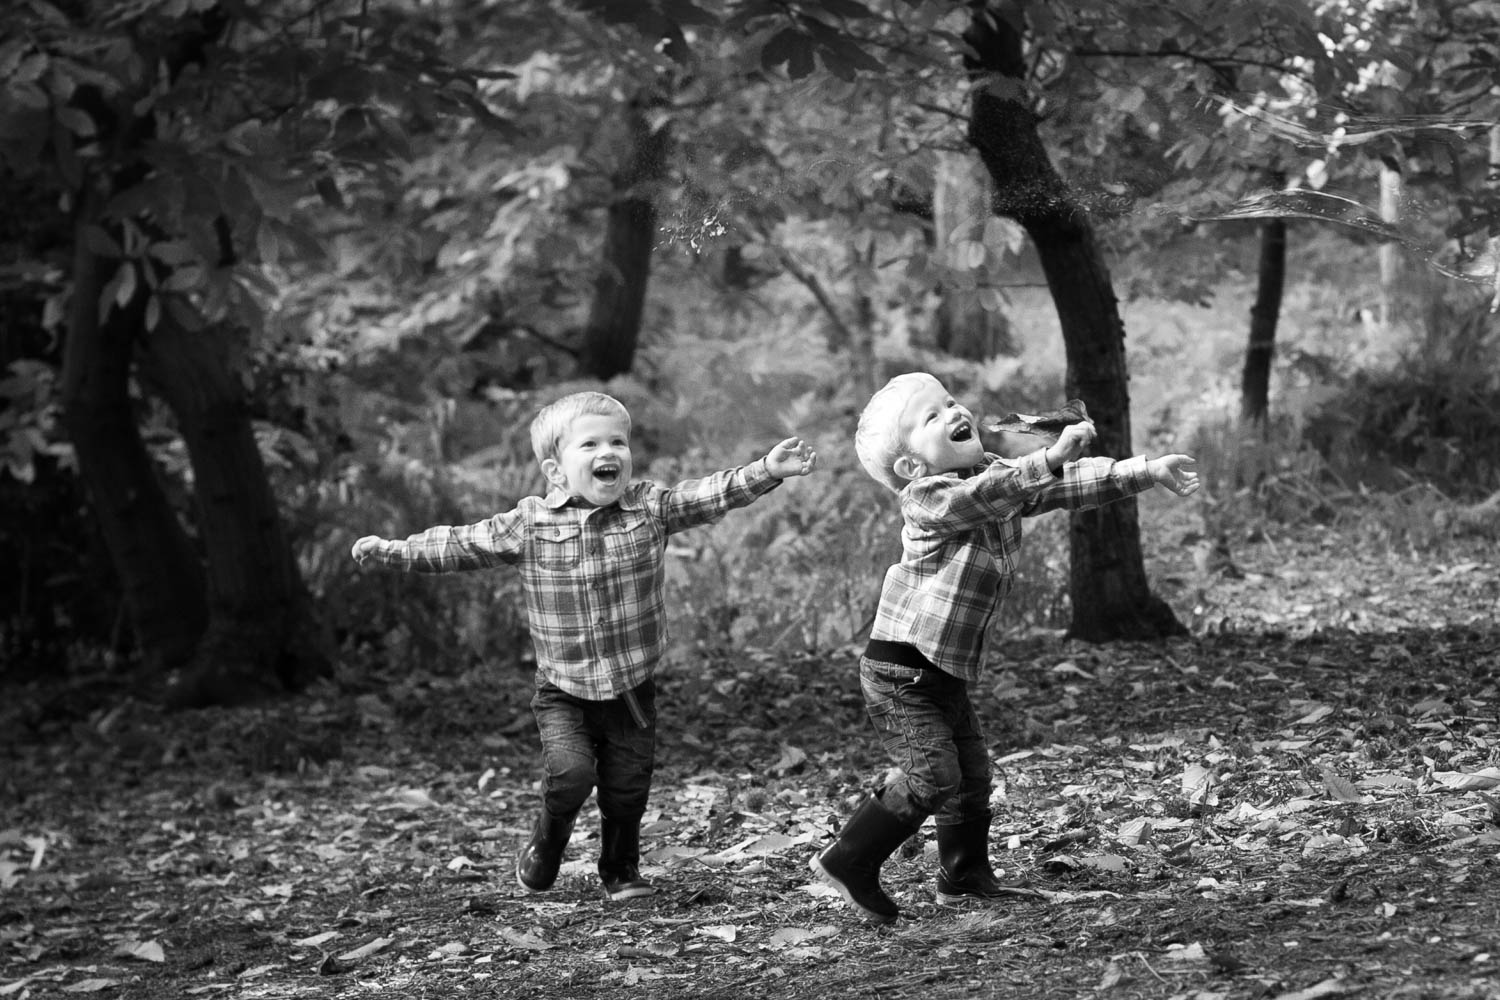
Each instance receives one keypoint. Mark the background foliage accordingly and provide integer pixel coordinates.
(417, 194)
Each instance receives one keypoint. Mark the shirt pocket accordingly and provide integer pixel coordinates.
(631, 541)
(557, 548)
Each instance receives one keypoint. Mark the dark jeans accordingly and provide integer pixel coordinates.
(927, 724)
(596, 743)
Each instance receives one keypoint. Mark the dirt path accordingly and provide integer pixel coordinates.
(1302, 801)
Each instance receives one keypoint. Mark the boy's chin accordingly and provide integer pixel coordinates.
(598, 492)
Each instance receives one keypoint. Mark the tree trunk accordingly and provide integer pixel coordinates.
(262, 636)
(1255, 382)
(1110, 594)
(614, 322)
(159, 570)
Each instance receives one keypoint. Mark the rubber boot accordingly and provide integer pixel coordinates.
(537, 864)
(620, 858)
(964, 872)
(851, 864)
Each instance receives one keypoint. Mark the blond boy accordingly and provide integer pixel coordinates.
(961, 532)
(591, 557)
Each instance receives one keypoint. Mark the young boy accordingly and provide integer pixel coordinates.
(591, 556)
(961, 511)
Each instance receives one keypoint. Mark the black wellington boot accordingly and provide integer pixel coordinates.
(851, 864)
(964, 872)
(537, 864)
(620, 858)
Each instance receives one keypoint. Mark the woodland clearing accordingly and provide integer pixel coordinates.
(1297, 801)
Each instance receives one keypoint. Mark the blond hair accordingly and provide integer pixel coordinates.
(879, 440)
(554, 419)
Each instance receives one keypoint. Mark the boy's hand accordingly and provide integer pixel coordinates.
(1175, 473)
(792, 457)
(364, 548)
(1071, 443)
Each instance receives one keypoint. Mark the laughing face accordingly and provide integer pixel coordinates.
(940, 434)
(593, 459)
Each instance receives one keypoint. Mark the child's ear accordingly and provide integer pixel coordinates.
(554, 473)
(909, 468)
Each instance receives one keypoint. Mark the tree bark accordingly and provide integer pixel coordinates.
(1110, 594)
(614, 323)
(1255, 382)
(159, 569)
(262, 636)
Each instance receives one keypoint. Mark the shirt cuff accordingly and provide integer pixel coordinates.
(1135, 473)
(1034, 469)
(758, 480)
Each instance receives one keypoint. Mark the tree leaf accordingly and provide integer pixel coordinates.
(1048, 424)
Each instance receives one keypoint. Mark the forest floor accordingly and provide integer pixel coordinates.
(1302, 800)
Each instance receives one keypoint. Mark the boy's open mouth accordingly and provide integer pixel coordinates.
(963, 432)
(607, 474)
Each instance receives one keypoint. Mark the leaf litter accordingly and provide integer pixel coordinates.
(1297, 802)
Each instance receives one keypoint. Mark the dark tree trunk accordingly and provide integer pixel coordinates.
(262, 636)
(1110, 594)
(159, 570)
(614, 322)
(1255, 382)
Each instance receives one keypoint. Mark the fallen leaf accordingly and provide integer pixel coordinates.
(415, 798)
(790, 936)
(1186, 953)
(366, 950)
(91, 985)
(1113, 976)
(316, 939)
(1341, 788)
(791, 761)
(1488, 777)
(1198, 785)
(146, 951)
(1327, 988)
(524, 939)
(1134, 832)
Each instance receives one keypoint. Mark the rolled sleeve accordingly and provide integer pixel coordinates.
(496, 541)
(695, 502)
(1094, 482)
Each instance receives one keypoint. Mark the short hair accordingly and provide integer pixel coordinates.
(554, 419)
(879, 441)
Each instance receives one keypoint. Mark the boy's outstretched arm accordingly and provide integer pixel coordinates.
(703, 501)
(792, 457)
(1175, 472)
(495, 541)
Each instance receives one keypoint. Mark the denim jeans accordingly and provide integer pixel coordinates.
(928, 726)
(589, 743)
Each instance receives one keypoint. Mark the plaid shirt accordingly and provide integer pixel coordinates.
(593, 576)
(959, 542)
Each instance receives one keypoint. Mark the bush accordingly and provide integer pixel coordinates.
(1433, 418)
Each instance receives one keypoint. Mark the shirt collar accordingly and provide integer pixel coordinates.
(557, 499)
